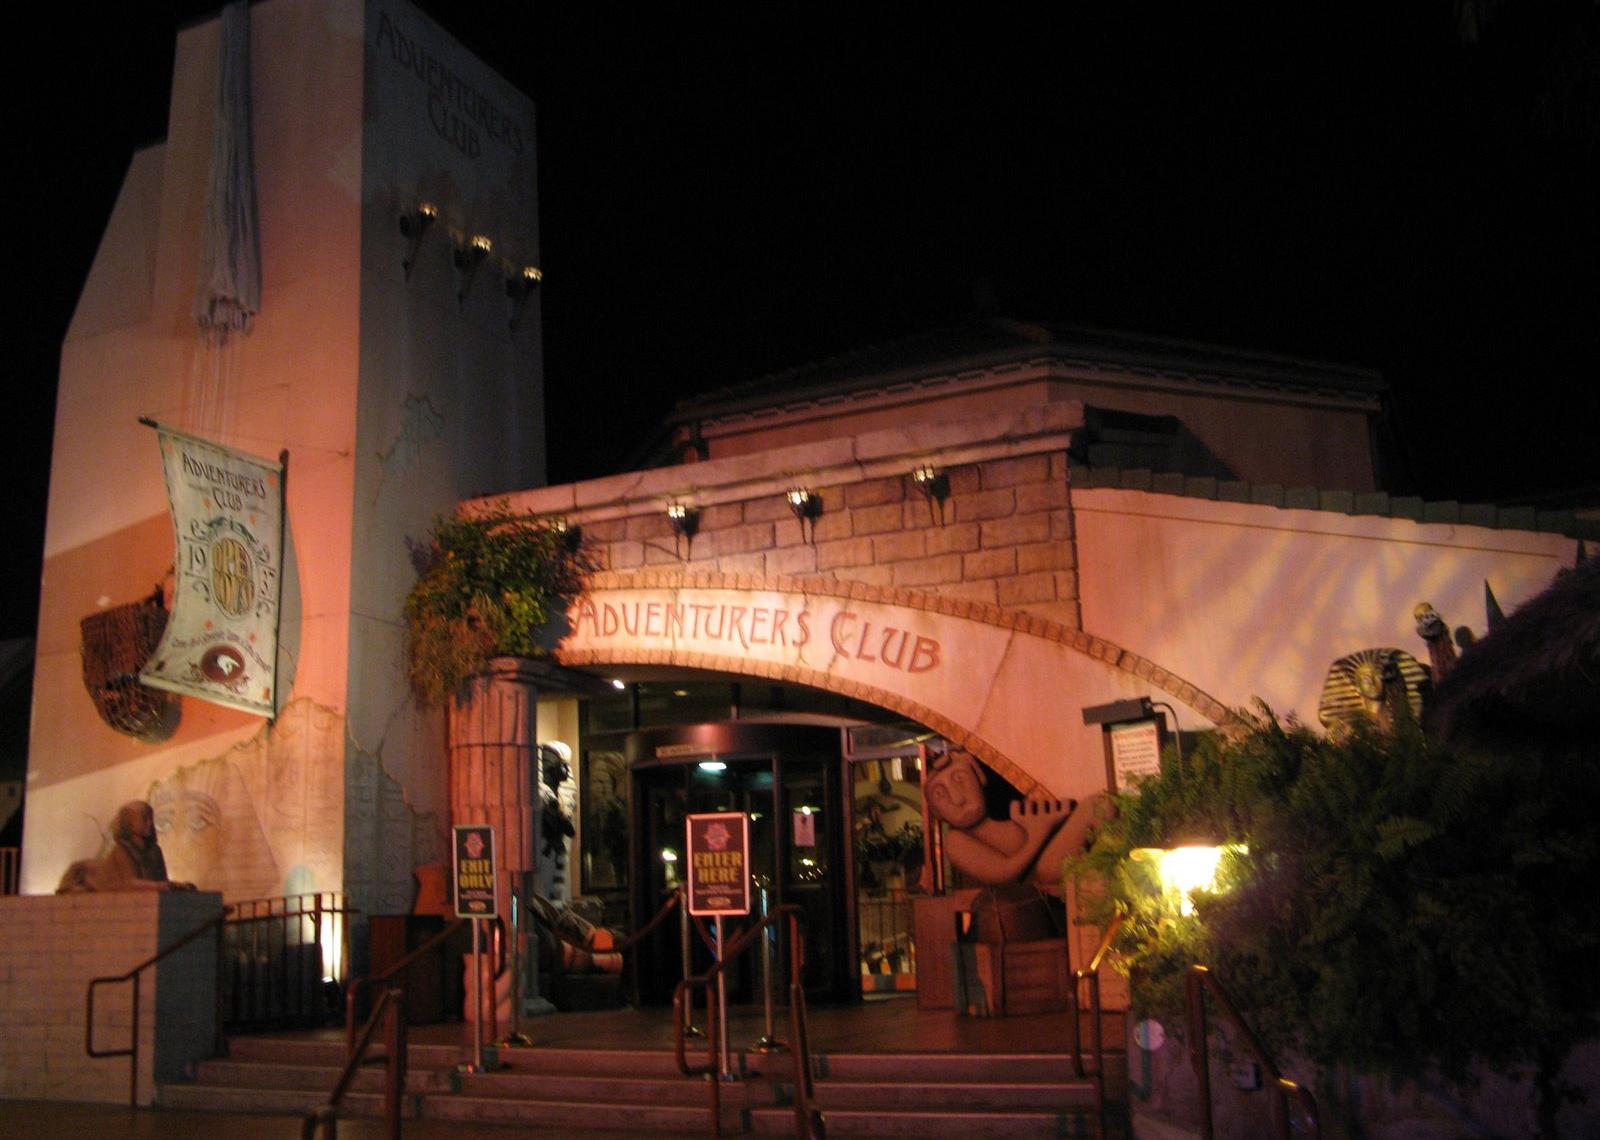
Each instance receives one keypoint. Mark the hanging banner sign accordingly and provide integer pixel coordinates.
(474, 871)
(221, 641)
(719, 863)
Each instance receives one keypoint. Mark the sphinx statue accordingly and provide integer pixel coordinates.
(133, 862)
(1029, 843)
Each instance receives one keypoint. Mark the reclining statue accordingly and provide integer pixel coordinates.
(132, 863)
(1029, 844)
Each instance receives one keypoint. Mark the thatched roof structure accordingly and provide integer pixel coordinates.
(1535, 679)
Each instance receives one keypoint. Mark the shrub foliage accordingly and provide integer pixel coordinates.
(487, 585)
(1400, 910)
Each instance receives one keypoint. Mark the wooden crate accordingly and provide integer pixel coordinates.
(998, 979)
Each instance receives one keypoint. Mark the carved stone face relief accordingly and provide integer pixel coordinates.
(955, 790)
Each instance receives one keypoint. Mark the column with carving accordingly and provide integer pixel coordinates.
(494, 779)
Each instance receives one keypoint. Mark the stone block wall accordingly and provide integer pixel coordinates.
(1005, 536)
(50, 948)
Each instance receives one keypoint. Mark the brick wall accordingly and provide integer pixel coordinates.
(50, 946)
(1005, 538)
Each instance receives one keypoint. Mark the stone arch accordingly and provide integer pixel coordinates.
(576, 649)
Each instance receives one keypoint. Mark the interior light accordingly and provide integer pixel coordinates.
(713, 766)
(668, 855)
(616, 684)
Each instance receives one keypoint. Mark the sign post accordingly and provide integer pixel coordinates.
(474, 879)
(718, 848)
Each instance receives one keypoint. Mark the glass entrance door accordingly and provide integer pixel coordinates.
(791, 795)
(887, 855)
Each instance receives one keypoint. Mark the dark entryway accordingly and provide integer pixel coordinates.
(786, 777)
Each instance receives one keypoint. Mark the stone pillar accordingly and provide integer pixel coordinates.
(494, 779)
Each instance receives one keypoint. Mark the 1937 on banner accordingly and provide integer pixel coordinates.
(221, 641)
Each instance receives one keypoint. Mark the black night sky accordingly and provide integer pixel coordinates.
(729, 189)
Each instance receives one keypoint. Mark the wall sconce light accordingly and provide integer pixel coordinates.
(807, 507)
(935, 487)
(519, 289)
(684, 521)
(413, 227)
(467, 258)
(570, 533)
(1119, 712)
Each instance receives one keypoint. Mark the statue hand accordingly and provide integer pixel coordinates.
(1040, 818)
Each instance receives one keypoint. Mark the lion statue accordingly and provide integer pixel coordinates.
(133, 862)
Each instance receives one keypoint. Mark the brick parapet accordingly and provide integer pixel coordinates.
(1003, 533)
(51, 947)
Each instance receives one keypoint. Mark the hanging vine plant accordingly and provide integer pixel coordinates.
(487, 586)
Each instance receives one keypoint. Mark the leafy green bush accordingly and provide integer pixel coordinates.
(487, 585)
(1400, 909)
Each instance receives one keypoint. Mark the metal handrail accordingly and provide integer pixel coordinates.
(808, 1123)
(392, 1002)
(1090, 973)
(266, 987)
(1198, 981)
(358, 987)
(132, 1052)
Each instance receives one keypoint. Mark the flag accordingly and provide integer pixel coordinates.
(221, 642)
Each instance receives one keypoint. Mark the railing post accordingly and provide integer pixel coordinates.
(769, 1043)
(685, 947)
(713, 1030)
(220, 1045)
(722, 1004)
(395, 1071)
(133, 1056)
(1199, 1049)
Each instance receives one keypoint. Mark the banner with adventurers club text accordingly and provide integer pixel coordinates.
(221, 641)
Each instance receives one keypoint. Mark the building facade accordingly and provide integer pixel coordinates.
(396, 381)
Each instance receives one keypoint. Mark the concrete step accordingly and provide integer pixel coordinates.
(277, 1075)
(1011, 1067)
(629, 1062)
(877, 1122)
(650, 1119)
(298, 1052)
(613, 1088)
(279, 1102)
(956, 1096)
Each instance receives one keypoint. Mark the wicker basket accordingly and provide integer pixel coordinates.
(116, 644)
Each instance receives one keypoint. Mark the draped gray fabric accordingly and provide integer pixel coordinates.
(229, 292)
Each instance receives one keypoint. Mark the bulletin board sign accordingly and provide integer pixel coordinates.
(718, 877)
(474, 871)
(1133, 752)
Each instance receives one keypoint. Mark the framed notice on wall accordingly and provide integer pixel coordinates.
(1133, 752)
(718, 847)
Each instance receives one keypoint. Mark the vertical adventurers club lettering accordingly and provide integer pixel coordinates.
(458, 112)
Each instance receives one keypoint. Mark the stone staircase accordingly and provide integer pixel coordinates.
(288, 1077)
(641, 1091)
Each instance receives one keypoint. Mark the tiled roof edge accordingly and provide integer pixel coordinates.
(1379, 503)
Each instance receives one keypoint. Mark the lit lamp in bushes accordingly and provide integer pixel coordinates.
(1188, 864)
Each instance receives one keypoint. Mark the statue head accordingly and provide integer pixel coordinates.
(954, 788)
(135, 823)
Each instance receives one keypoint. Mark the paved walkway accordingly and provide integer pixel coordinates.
(41, 1120)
